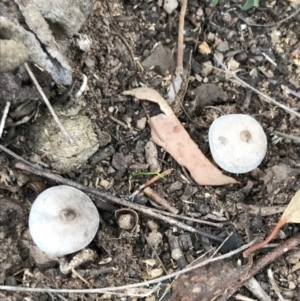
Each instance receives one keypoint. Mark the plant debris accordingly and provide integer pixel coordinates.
(168, 132)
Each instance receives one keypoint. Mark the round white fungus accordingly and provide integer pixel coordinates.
(63, 220)
(237, 143)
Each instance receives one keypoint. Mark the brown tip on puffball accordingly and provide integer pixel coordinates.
(63, 220)
(237, 143)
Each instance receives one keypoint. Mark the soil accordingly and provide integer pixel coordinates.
(123, 55)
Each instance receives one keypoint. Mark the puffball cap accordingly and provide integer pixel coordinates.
(237, 142)
(63, 220)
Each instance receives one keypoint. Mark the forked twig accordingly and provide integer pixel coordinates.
(39, 88)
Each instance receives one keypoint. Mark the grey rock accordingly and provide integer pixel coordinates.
(241, 56)
(160, 57)
(223, 46)
(206, 68)
(103, 154)
(89, 62)
(66, 16)
(208, 94)
(12, 30)
(12, 55)
(43, 18)
(175, 186)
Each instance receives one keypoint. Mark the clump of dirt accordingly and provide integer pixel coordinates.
(46, 139)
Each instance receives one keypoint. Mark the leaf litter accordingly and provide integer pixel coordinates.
(290, 215)
(169, 133)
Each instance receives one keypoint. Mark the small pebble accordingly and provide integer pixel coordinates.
(220, 57)
(146, 53)
(223, 46)
(203, 48)
(141, 123)
(292, 285)
(211, 37)
(255, 50)
(233, 65)
(206, 68)
(90, 63)
(154, 239)
(175, 186)
(241, 56)
(170, 5)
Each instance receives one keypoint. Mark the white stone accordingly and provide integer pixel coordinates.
(170, 5)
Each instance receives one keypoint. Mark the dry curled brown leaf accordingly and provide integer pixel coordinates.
(168, 132)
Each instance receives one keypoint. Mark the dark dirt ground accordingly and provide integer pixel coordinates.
(113, 64)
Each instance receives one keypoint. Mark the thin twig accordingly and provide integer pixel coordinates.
(252, 82)
(115, 27)
(274, 285)
(83, 86)
(195, 220)
(179, 68)
(255, 288)
(221, 245)
(39, 88)
(75, 273)
(6, 150)
(111, 198)
(156, 198)
(269, 59)
(260, 264)
(266, 97)
(123, 287)
(270, 25)
(243, 298)
(291, 137)
(287, 90)
(151, 181)
(152, 209)
(4, 116)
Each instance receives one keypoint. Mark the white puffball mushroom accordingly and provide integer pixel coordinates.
(237, 143)
(63, 220)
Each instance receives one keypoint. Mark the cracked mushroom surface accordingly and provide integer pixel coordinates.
(238, 143)
(63, 220)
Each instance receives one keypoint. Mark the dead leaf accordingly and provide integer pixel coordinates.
(290, 215)
(168, 132)
(207, 283)
(292, 212)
